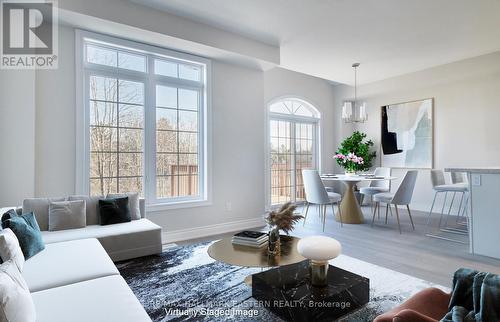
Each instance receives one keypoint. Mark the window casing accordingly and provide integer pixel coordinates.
(292, 145)
(142, 121)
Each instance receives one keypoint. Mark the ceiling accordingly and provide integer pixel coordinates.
(324, 37)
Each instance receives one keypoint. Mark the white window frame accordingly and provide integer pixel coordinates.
(315, 120)
(83, 71)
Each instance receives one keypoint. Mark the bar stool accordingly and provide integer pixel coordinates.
(439, 186)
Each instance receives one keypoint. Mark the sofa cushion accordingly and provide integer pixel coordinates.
(67, 215)
(114, 211)
(121, 241)
(99, 300)
(91, 207)
(133, 201)
(11, 213)
(16, 304)
(66, 263)
(40, 207)
(26, 229)
(10, 248)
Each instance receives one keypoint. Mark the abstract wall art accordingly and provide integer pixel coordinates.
(407, 134)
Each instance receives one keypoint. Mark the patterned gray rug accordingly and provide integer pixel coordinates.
(185, 284)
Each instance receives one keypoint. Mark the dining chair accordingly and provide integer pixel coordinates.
(402, 197)
(316, 194)
(377, 186)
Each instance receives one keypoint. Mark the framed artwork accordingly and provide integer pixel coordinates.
(406, 134)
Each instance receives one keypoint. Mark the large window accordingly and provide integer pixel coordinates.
(144, 111)
(293, 146)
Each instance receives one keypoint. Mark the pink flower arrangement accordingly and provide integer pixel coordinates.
(349, 161)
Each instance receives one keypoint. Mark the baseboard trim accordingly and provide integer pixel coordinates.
(210, 230)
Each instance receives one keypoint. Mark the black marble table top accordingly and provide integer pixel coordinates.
(287, 291)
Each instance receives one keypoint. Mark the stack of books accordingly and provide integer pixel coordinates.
(249, 238)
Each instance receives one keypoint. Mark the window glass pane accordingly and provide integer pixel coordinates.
(303, 111)
(102, 113)
(188, 185)
(166, 96)
(188, 121)
(189, 72)
(131, 116)
(101, 55)
(103, 139)
(166, 141)
(189, 162)
(188, 142)
(165, 68)
(130, 164)
(131, 92)
(188, 99)
(102, 88)
(103, 186)
(131, 61)
(166, 119)
(130, 140)
(166, 164)
(103, 165)
(166, 187)
(130, 185)
(279, 108)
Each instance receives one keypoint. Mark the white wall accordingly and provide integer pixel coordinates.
(17, 136)
(466, 114)
(55, 122)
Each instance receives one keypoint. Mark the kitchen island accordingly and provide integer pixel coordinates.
(484, 209)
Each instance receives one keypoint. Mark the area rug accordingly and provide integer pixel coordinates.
(185, 284)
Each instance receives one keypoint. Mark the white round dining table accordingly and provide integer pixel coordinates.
(349, 206)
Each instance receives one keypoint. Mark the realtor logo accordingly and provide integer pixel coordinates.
(29, 34)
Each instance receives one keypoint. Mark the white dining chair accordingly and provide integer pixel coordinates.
(377, 186)
(316, 194)
(402, 197)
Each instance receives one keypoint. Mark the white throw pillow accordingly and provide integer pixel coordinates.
(10, 249)
(133, 203)
(67, 215)
(16, 304)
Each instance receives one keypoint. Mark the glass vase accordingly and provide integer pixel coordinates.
(273, 244)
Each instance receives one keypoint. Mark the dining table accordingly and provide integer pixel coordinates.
(349, 206)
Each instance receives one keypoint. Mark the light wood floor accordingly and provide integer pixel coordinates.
(411, 253)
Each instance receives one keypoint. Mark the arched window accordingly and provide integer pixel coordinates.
(293, 146)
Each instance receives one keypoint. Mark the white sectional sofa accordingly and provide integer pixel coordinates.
(74, 279)
(77, 281)
(133, 239)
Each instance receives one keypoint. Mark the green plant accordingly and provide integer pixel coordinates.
(358, 145)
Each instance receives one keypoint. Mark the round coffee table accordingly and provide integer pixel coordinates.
(224, 251)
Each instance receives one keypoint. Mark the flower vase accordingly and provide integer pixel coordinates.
(350, 173)
(273, 244)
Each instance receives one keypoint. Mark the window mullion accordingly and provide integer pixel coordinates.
(293, 165)
(150, 135)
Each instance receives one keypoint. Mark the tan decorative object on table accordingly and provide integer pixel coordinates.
(283, 219)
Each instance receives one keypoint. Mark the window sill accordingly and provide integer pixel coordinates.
(177, 205)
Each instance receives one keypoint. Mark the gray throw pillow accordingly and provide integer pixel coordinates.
(92, 207)
(40, 208)
(67, 215)
(133, 203)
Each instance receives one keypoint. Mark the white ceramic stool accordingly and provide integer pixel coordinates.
(319, 250)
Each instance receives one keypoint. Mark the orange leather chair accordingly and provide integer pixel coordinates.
(429, 305)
